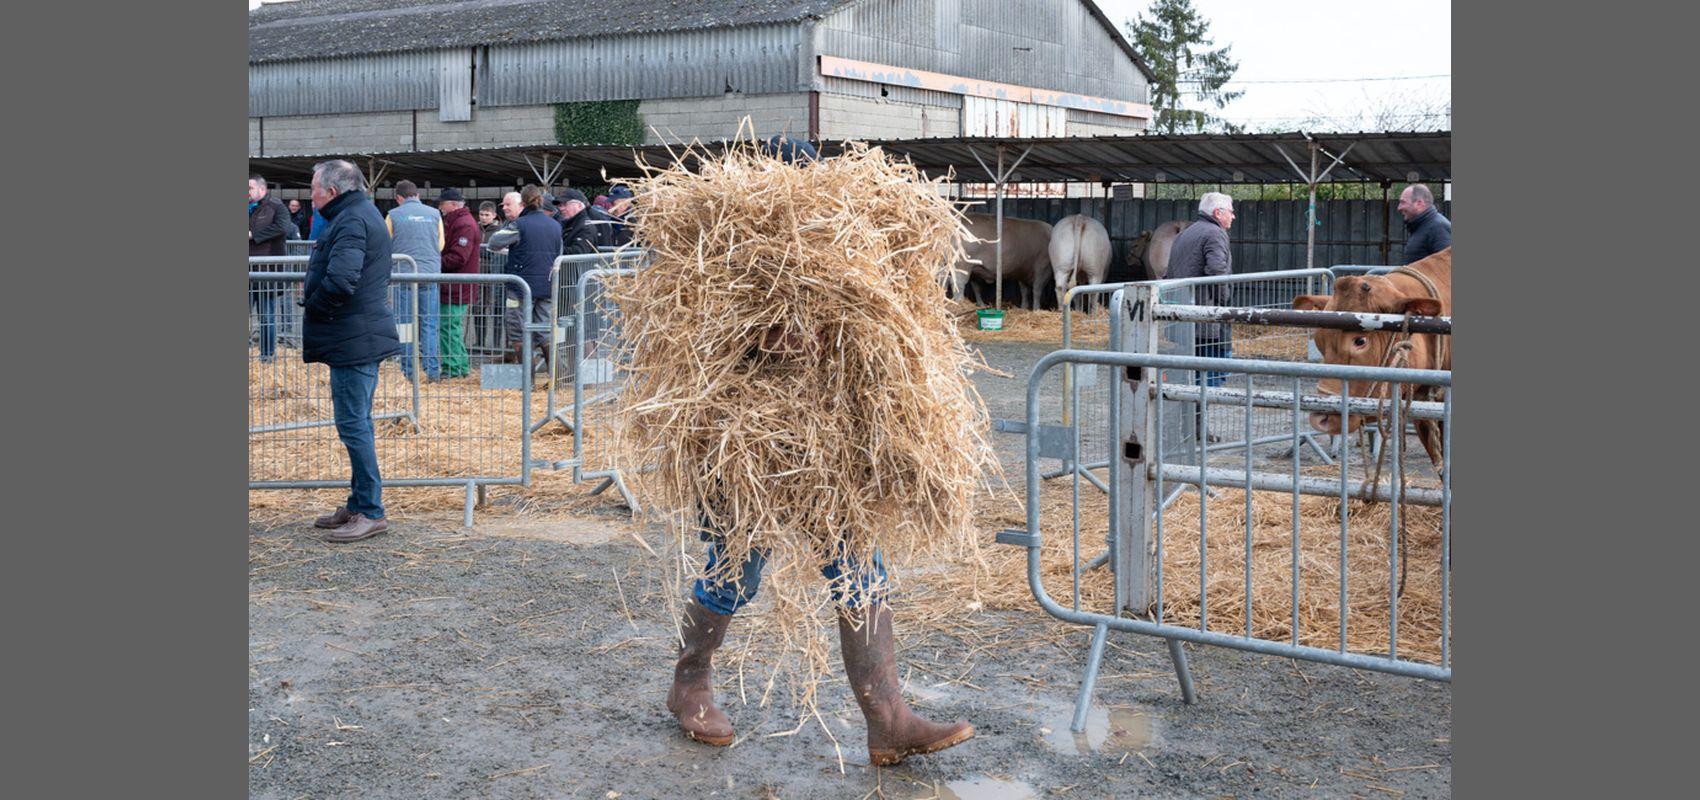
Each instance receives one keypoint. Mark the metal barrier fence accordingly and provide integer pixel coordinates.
(1226, 340)
(298, 247)
(470, 429)
(1150, 407)
(596, 382)
(563, 355)
(275, 314)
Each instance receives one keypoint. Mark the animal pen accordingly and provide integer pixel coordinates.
(1279, 562)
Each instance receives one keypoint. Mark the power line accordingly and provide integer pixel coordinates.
(1328, 80)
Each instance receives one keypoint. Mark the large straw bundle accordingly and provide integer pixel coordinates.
(795, 374)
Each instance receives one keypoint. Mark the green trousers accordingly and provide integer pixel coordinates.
(452, 330)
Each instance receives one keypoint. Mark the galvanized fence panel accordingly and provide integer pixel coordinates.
(469, 429)
(597, 376)
(1267, 290)
(565, 279)
(1146, 471)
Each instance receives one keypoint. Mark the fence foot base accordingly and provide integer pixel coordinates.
(1182, 671)
(1321, 452)
(1102, 559)
(1094, 658)
(473, 499)
(1084, 472)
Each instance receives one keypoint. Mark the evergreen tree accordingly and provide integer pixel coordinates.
(1174, 42)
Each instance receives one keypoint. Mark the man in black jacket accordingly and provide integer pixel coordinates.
(349, 326)
(1426, 231)
(532, 241)
(268, 226)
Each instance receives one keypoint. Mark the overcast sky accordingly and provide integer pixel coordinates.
(1299, 44)
(1341, 42)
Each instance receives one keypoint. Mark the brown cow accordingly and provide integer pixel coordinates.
(1421, 288)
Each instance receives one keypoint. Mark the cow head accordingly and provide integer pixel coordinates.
(1372, 294)
(1136, 250)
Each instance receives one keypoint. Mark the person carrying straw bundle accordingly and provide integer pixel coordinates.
(804, 387)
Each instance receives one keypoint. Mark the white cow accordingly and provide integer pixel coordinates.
(1080, 256)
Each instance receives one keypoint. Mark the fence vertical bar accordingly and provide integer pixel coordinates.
(1247, 493)
(1396, 439)
(1298, 455)
(1446, 536)
(1345, 467)
(1162, 507)
(1203, 428)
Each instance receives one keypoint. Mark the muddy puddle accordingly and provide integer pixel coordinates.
(1114, 731)
(980, 788)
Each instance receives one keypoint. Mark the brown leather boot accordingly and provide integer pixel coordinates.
(870, 661)
(692, 697)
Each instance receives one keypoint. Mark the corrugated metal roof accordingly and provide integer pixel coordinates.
(321, 28)
(1202, 158)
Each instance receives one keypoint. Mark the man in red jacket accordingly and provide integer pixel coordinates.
(461, 237)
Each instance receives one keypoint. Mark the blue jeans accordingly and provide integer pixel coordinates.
(1214, 348)
(264, 305)
(427, 335)
(726, 597)
(351, 402)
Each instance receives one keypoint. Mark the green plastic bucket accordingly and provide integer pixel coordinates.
(990, 319)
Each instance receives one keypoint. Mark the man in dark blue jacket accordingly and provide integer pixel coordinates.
(348, 325)
(1426, 231)
(533, 242)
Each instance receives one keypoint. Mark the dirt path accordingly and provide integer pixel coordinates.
(503, 663)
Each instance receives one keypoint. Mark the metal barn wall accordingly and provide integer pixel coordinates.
(1267, 234)
(387, 82)
(757, 59)
(1049, 44)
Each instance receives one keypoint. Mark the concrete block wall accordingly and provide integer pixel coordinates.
(500, 126)
(316, 134)
(395, 130)
(717, 117)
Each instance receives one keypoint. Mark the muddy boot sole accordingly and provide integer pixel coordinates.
(886, 758)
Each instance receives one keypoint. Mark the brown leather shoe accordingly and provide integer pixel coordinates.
(692, 697)
(356, 528)
(335, 519)
(870, 662)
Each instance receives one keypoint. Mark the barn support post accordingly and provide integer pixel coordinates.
(999, 178)
(1311, 178)
(997, 291)
(1310, 215)
(1386, 234)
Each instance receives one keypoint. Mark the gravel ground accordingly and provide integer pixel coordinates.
(529, 657)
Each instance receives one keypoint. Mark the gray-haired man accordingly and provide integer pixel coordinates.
(348, 326)
(1200, 250)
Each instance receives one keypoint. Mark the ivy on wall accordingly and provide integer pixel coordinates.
(599, 122)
